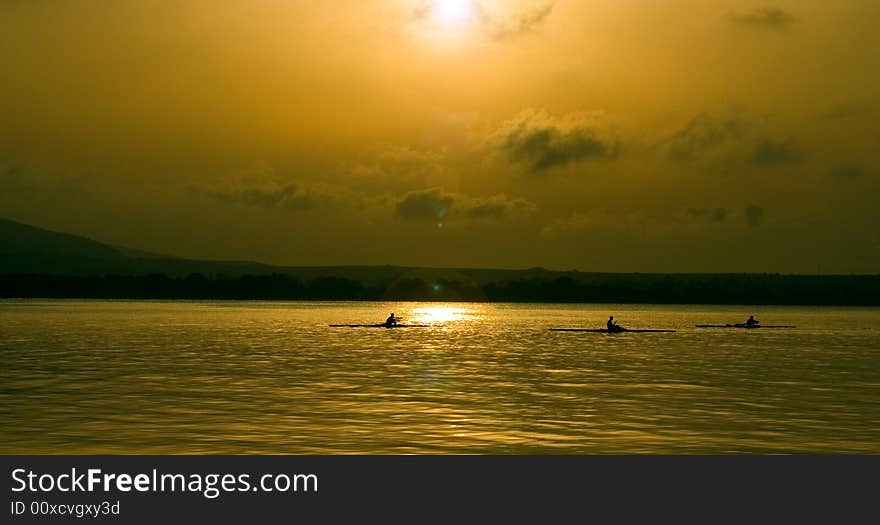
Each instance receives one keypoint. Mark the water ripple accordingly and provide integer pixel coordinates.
(261, 378)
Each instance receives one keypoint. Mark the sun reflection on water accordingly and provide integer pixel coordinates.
(439, 314)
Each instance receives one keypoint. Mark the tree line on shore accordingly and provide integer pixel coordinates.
(629, 288)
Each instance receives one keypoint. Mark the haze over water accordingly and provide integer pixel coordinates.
(274, 378)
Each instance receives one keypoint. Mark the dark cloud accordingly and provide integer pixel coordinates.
(431, 204)
(769, 152)
(436, 205)
(763, 17)
(754, 215)
(287, 196)
(846, 110)
(716, 215)
(540, 142)
(704, 133)
(847, 171)
(730, 141)
(495, 207)
(516, 26)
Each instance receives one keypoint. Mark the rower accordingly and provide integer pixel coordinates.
(391, 321)
(613, 326)
(752, 322)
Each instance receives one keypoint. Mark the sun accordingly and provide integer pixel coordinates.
(447, 25)
(452, 11)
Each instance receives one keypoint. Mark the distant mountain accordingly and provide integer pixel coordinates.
(28, 249)
(25, 248)
(23, 239)
(40, 263)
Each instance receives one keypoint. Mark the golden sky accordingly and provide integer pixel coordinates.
(625, 135)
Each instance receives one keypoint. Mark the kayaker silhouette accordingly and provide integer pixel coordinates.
(612, 326)
(752, 321)
(391, 321)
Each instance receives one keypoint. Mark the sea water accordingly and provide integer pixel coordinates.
(273, 378)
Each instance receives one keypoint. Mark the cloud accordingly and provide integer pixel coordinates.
(258, 186)
(436, 205)
(540, 142)
(518, 25)
(763, 17)
(704, 133)
(287, 196)
(847, 171)
(846, 110)
(754, 215)
(628, 222)
(769, 152)
(658, 224)
(496, 207)
(728, 142)
(432, 204)
(716, 215)
(398, 167)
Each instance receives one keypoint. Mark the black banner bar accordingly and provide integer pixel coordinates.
(235, 489)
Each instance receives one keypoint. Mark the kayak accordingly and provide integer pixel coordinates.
(605, 330)
(380, 325)
(742, 325)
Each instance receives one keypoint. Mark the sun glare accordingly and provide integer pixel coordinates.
(438, 314)
(452, 11)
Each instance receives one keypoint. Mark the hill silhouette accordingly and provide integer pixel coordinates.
(35, 262)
